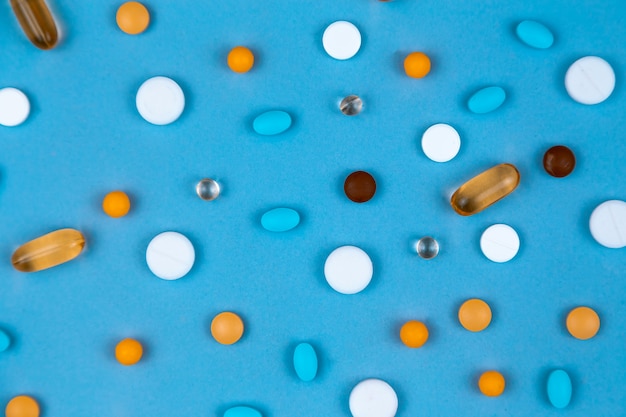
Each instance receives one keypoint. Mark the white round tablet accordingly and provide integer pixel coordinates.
(341, 40)
(441, 142)
(170, 255)
(608, 224)
(499, 243)
(348, 270)
(373, 398)
(14, 107)
(590, 80)
(160, 100)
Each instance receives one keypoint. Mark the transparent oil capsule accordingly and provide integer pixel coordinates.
(485, 189)
(351, 105)
(48, 250)
(208, 189)
(37, 22)
(427, 247)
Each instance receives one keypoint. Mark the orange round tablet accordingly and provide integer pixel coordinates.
(227, 328)
(132, 17)
(475, 315)
(116, 204)
(417, 65)
(583, 323)
(491, 383)
(414, 334)
(240, 59)
(22, 406)
(128, 352)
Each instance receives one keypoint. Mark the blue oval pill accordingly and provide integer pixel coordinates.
(486, 100)
(242, 411)
(534, 34)
(271, 122)
(280, 219)
(305, 362)
(5, 340)
(559, 388)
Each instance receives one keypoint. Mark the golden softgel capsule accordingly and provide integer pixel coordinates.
(48, 250)
(36, 22)
(485, 189)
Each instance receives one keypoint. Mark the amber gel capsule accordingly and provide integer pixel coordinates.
(48, 250)
(485, 189)
(37, 22)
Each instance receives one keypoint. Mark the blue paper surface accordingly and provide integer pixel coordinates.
(85, 138)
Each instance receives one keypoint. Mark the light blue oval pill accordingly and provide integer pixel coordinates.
(242, 411)
(271, 122)
(305, 362)
(534, 34)
(486, 100)
(559, 388)
(280, 219)
(5, 340)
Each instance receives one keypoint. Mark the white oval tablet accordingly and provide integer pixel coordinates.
(348, 270)
(608, 224)
(160, 100)
(341, 40)
(373, 398)
(590, 80)
(441, 142)
(170, 255)
(499, 243)
(14, 107)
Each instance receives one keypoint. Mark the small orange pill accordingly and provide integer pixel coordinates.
(417, 65)
(475, 315)
(583, 323)
(22, 406)
(227, 328)
(132, 17)
(128, 352)
(240, 59)
(116, 204)
(491, 383)
(414, 334)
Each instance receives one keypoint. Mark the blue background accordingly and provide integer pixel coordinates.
(85, 138)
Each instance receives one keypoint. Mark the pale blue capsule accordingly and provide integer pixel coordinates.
(280, 219)
(242, 411)
(271, 122)
(486, 100)
(534, 34)
(559, 388)
(305, 362)
(5, 340)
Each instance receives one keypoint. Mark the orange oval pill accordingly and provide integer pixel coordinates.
(583, 323)
(132, 17)
(475, 315)
(22, 406)
(128, 352)
(240, 59)
(414, 334)
(417, 65)
(491, 383)
(227, 328)
(116, 204)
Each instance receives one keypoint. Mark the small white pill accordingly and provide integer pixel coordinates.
(441, 142)
(348, 270)
(160, 100)
(608, 224)
(170, 255)
(499, 243)
(373, 398)
(341, 40)
(590, 80)
(14, 107)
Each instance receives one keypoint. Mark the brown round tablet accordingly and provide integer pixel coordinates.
(559, 161)
(360, 186)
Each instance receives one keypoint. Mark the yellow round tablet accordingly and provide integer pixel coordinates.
(132, 17)
(227, 328)
(128, 352)
(240, 59)
(491, 383)
(116, 204)
(414, 334)
(475, 315)
(22, 406)
(417, 65)
(583, 323)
